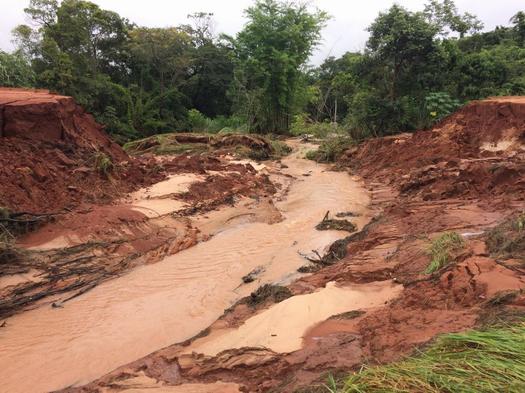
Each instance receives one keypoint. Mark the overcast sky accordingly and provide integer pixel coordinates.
(345, 31)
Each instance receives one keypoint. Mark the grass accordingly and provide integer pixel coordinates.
(471, 362)
(441, 249)
(330, 149)
(508, 239)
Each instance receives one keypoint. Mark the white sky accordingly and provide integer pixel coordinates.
(345, 31)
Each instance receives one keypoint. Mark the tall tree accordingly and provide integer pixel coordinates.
(402, 42)
(519, 26)
(273, 46)
(446, 17)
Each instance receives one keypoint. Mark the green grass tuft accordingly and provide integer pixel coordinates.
(441, 249)
(471, 362)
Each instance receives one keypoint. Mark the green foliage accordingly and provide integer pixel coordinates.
(519, 26)
(330, 149)
(441, 249)
(303, 125)
(439, 105)
(142, 81)
(198, 122)
(275, 43)
(474, 361)
(412, 74)
(444, 15)
(15, 71)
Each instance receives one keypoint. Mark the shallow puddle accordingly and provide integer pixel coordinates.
(155, 201)
(281, 328)
(161, 304)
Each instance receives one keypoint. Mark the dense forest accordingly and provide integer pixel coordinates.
(417, 67)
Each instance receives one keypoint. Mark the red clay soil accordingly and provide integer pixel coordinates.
(454, 158)
(47, 150)
(422, 185)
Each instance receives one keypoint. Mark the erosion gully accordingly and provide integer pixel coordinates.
(157, 305)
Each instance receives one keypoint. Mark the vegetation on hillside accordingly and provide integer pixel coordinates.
(416, 68)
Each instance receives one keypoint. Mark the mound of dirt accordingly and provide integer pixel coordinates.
(50, 153)
(477, 151)
(257, 146)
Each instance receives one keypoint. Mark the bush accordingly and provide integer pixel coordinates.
(221, 124)
(330, 149)
(438, 106)
(302, 125)
(197, 121)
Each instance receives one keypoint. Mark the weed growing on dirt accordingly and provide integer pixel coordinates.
(330, 149)
(441, 249)
(103, 163)
(508, 239)
(474, 361)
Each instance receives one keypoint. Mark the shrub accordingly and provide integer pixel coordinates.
(197, 121)
(302, 125)
(330, 149)
(439, 105)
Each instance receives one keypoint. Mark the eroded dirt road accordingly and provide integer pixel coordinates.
(160, 304)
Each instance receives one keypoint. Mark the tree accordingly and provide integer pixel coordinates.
(402, 42)
(210, 72)
(95, 39)
(159, 54)
(273, 46)
(15, 71)
(42, 12)
(519, 26)
(444, 15)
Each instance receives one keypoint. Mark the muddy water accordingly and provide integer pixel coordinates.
(161, 304)
(281, 328)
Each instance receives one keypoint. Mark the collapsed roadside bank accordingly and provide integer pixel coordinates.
(447, 201)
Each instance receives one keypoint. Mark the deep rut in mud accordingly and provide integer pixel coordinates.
(156, 305)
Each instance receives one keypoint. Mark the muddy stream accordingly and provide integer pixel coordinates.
(157, 305)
